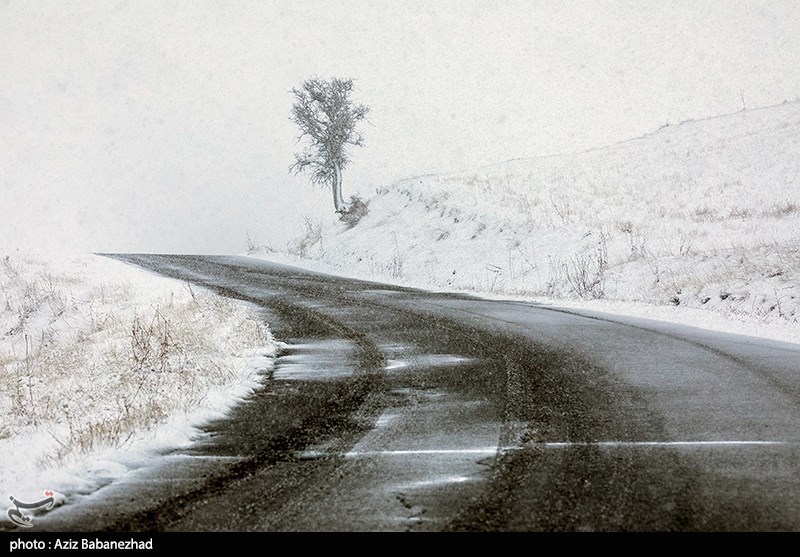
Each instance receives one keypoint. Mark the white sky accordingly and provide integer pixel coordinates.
(163, 125)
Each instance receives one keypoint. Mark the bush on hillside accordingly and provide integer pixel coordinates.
(356, 210)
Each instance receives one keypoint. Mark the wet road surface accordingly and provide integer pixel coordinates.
(397, 409)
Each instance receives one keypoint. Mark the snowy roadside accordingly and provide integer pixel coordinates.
(687, 316)
(104, 366)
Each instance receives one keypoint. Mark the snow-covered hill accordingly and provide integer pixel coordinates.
(703, 214)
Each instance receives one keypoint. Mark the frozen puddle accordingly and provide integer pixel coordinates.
(428, 360)
(436, 482)
(318, 360)
(440, 360)
(395, 364)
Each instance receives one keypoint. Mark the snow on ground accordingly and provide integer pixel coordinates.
(696, 223)
(103, 366)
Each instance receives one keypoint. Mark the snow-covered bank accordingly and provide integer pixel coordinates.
(103, 366)
(702, 215)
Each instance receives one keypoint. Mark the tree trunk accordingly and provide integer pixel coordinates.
(338, 201)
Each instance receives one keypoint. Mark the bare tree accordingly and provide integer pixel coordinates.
(326, 115)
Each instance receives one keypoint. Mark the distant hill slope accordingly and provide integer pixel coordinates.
(701, 214)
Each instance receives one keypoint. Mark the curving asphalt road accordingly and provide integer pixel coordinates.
(399, 409)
